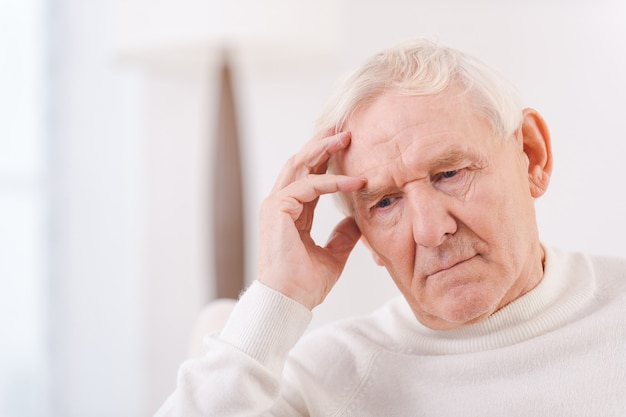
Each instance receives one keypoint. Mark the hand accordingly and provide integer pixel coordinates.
(289, 260)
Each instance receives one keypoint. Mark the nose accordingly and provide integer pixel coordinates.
(431, 218)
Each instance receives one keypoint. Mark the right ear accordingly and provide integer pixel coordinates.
(377, 258)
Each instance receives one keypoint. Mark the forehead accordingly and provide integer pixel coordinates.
(412, 131)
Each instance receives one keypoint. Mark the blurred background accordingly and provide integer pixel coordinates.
(108, 113)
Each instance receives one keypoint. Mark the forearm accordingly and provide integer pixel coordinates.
(241, 372)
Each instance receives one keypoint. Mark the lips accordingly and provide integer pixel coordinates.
(447, 266)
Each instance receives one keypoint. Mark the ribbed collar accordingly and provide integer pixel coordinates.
(567, 285)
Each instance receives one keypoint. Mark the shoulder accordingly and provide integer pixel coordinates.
(602, 267)
(606, 273)
(357, 335)
(610, 273)
(609, 265)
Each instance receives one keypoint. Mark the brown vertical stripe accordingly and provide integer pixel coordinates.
(228, 197)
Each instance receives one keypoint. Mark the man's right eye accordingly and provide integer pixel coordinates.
(449, 174)
(385, 202)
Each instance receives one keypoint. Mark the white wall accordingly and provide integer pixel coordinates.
(135, 149)
(94, 239)
(24, 365)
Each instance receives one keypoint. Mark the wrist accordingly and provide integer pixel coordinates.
(302, 296)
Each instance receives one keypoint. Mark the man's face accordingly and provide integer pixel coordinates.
(447, 207)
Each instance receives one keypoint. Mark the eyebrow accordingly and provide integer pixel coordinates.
(450, 157)
(367, 195)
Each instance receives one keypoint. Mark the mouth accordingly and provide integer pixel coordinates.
(448, 267)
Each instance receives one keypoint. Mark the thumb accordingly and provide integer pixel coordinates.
(342, 240)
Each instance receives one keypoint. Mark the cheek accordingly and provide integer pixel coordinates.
(503, 218)
(503, 198)
(378, 230)
(393, 248)
(382, 243)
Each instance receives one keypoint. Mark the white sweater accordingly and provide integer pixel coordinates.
(560, 350)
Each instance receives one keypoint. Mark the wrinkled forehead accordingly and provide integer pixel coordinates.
(392, 124)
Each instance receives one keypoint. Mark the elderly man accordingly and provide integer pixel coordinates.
(437, 167)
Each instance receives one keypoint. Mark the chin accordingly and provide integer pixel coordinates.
(464, 317)
(454, 312)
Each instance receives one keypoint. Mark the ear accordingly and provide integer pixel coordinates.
(534, 136)
(377, 258)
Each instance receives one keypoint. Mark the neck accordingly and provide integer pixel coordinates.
(534, 274)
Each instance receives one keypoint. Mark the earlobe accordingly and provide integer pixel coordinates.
(377, 258)
(538, 150)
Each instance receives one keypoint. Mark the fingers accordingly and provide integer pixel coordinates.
(292, 198)
(312, 159)
(342, 240)
(289, 259)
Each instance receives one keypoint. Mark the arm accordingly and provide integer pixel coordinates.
(241, 369)
(241, 373)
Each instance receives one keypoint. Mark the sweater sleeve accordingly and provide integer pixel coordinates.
(241, 372)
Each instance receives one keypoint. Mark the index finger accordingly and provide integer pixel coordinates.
(311, 159)
(293, 197)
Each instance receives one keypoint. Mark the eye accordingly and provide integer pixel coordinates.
(449, 174)
(384, 206)
(385, 202)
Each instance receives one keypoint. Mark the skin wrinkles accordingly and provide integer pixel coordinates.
(458, 248)
(453, 159)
